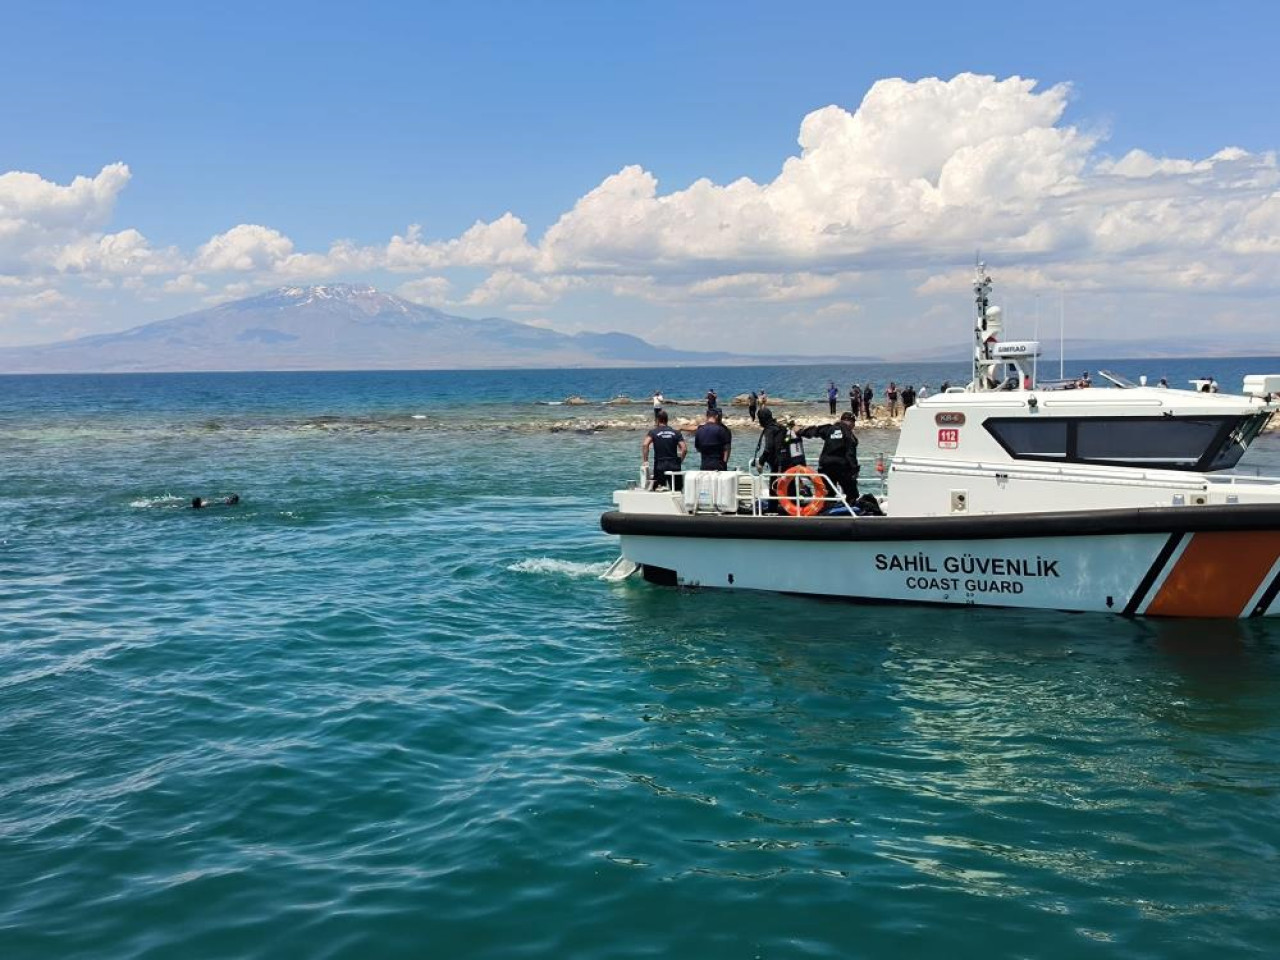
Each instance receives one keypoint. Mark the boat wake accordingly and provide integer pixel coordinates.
(163, 500)
(560, 568)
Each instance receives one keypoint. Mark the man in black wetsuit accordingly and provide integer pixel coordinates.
(775, 451)
(669, 449)
(712, 441)
(839, 457)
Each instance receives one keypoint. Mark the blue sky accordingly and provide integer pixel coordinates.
(324, 122)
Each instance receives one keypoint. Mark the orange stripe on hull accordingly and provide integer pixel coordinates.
(1217, 574)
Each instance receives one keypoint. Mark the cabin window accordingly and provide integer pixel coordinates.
(1167, 443)
(1031, 438)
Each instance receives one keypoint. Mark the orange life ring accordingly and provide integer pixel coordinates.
(791, 504)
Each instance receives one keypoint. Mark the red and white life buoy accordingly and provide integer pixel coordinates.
(791, 502)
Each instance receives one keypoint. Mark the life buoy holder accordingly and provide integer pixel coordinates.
(791, 502)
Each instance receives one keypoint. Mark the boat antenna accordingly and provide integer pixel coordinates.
(1035, 358)
(1062, 325)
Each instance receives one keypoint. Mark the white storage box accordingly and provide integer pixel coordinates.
(711, 491)
(1261, 384)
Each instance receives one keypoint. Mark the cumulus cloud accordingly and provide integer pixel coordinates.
(898, 171)
(37, 216)
(917, 176)
(28, 200)
(433, 291)
(518, 290)
(243, 248)
(185, 283)
(500, 243)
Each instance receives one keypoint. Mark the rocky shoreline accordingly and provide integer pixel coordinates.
(804, 414)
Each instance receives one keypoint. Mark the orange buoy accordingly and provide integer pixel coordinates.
(791, 503)
(880, 463)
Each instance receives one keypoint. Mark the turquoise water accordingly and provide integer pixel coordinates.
(384, 708)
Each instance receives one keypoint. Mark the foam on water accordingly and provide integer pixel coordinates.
(561, 568)
(161, 500)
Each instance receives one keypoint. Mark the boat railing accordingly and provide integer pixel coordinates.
(767, 493)
(762, 494)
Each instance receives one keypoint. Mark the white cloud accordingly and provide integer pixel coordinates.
(185, 283)
(914, 179)
(243, 248)
(37, 215)
(916, 163)
(28, 200)
(517, 290)
(500, 243)
(432, 291)
(126, 252)
(765, 286)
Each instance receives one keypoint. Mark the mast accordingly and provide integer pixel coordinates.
(987, 327)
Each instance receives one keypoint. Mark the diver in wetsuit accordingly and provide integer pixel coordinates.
(778, 449)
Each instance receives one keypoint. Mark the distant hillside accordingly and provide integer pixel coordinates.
(340, 327)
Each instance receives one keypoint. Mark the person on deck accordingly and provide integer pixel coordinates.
(839, 457)
(775, 452)
(669, 450)
(728, 444)
(712, 441)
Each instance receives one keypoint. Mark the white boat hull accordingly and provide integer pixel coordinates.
(1207, 564)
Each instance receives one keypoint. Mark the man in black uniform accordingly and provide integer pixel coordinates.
(669, 449)
(839, 457)
(712, 441)
(728, 436)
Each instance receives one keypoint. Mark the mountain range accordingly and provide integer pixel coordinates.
(348, 327)
(341, 327)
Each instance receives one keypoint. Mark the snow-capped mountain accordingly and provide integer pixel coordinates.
(335, 327)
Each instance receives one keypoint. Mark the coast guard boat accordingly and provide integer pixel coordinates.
(1006, 492)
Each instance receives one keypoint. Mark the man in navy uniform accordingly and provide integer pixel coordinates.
(669, 450)
(712, 441)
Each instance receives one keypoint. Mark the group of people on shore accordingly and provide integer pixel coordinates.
(861, 400)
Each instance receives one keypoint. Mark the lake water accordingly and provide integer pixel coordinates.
(384, 708)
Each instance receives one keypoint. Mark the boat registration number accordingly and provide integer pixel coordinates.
(948, 438)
